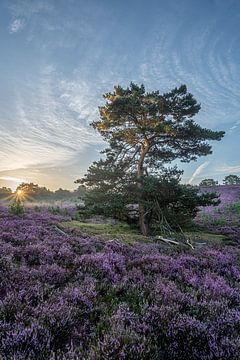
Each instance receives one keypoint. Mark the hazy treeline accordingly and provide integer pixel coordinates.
(33, 191)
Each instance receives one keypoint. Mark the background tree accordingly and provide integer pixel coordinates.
(5, 192)
(80, 192)
(29, 189)
(34, 191)
(231, 180)
(147, 130)
(62, 194)
(208, 182)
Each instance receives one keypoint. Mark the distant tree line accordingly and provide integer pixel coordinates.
(33, 192)
(5, 192)
(228, 180)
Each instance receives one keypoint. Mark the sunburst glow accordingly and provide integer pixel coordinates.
(20, 195)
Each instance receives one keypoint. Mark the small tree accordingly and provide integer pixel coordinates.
(147, 130)
(231, 180)
(17, 207)
(208, 182)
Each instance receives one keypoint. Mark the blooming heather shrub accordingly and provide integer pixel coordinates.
(69, 297)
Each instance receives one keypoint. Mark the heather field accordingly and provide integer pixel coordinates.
(65, 295)
(119, 180)
(225, 218)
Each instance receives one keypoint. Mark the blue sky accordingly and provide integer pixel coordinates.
(59, 57)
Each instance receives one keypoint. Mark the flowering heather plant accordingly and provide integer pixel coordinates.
(63, 296)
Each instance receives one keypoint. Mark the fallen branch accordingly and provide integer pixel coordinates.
(174, 242)
(60, 231)
(169, 241)
(190, 244)
(168, 231)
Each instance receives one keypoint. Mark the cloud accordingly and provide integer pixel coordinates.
(228, 169)
(26, 8)
(16, 26)
(50, 123)
(198, 171)
(54, 25)
(22, 11)
(234, 126)
(13, 179)
(203, 58)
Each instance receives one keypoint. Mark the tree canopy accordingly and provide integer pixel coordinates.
(145, 131)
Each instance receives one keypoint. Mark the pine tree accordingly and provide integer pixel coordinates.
(145, 131)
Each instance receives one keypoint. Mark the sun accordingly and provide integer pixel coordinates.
(20, 194)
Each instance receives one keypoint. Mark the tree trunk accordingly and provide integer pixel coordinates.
(143, 224)
(142, 220)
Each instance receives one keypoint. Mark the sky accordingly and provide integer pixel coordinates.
(59, 57)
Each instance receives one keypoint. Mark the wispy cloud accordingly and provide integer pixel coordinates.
(26, 8)
(13, 179)
(22, 12)
(51, 123)
(16, 26)
(227, 169)
(202, 58)
(198, 172)
(234, 126)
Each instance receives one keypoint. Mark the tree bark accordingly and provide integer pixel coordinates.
(142, 220)
(143, 224)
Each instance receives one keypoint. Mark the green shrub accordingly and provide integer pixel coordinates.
(55, 210)
(234, 207)
(17, 207)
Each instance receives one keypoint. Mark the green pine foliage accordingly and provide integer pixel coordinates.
(145, 132)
